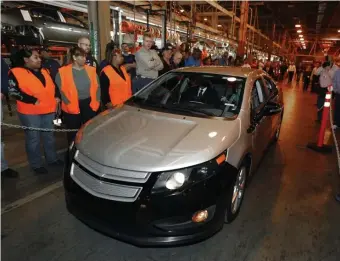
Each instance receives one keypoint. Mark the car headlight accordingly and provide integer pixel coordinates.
(177, 179)
(171, 180)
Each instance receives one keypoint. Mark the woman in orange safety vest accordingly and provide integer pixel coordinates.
(37, 97)
(115, 82)
(80, 91)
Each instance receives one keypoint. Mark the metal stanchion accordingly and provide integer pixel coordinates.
(320, 146)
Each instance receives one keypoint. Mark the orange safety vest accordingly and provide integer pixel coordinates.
(68, 88)
(31, 85)
(119, 89)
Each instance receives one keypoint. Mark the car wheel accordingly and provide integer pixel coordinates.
(235, 194)
(278, 129)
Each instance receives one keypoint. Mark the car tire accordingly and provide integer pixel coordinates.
(278, 130)
(235, 194)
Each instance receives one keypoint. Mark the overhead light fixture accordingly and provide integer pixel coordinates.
(302, 39)
(339, 31)
(182, 10)
(299, 31)
(219, 25)
(298, 25)
(300, 35)
(205, 19)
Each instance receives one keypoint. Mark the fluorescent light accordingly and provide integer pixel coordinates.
(302, 39)
(205, 19)
(219, 25)
(300, 35)
(299, 31)
(298, 25)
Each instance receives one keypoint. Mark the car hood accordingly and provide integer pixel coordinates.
(145, 140)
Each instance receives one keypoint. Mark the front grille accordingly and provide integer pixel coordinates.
(111, 173)
(103, 189)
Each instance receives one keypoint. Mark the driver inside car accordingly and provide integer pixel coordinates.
(201, 91)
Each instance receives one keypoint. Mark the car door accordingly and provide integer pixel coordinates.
(262, 124)
(49, 22)
(273, 97)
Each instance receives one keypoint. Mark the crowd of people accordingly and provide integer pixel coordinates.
(82, 87)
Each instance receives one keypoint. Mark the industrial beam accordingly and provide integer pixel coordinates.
(177, 17)
(211, 14)
(222, 9)
(237, 19)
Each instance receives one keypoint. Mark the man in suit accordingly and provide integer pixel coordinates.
(202, 91)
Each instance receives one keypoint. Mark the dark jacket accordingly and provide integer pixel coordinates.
(4, 77)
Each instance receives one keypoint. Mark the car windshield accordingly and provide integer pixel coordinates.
(197, 94)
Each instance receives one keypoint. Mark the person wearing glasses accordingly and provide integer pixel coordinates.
(85, 44)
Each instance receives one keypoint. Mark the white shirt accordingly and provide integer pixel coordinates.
(201, 91)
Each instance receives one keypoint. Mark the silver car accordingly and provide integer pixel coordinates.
(170, 165)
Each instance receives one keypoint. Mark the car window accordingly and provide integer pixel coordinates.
(45, 14)
(270, 84)
(257, 96)
(196, 93)
(259, 90)
(70, 19)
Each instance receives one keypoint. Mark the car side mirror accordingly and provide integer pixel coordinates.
(272, 108)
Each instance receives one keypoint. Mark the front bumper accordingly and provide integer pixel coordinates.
(153, 219)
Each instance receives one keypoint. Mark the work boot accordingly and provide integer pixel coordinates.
(9, 173)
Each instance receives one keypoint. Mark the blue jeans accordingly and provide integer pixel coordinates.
(32, 138)
(139, 83)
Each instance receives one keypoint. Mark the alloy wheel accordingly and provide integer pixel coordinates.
(238, 190)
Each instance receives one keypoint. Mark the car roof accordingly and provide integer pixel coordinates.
(223, 70)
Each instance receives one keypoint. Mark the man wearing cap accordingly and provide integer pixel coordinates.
(148, 64)
(166, 54)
